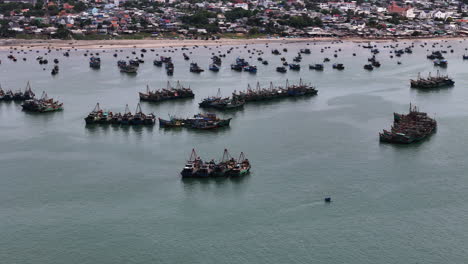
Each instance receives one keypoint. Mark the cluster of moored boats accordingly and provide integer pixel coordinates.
(169, 93)
(30, 103)
(42, 105)
(409, 128)
(9, 95)
(99, 116)
(207, 121)
(228, 166)
(432, 82)
(238, 99)
(167, 61)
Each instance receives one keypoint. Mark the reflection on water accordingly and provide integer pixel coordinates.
(194, 184)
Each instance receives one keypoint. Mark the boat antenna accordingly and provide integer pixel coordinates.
(147, 89)
(219, 93)
(258, 85)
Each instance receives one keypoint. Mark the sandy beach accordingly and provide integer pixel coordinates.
(159, 43)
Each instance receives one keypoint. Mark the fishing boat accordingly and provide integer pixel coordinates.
(241, 168)
(195, 68)
(227, 166)
(432, 82)
(338, 66)
(440, 63)
(214, 67)
(95, 62)
(251, 69)
(281, 69)
(168, 93)
(157, 63)
(368, 67)
(42, 105)
(129, 69)
(294, 67)
(28, 94)
(409, 128)
(317, 67)
(55, 70)
(236, 67)
(262, 94)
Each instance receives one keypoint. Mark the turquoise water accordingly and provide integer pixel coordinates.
(76, 194)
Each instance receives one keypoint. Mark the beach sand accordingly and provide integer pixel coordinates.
(166, 43)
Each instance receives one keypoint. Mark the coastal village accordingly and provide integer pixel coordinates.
(120, 19)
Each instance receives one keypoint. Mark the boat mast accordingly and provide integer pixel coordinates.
(127, 110)
(193, 155)
(97, 108)
(241, 157)
(226, 156)
(138, 109)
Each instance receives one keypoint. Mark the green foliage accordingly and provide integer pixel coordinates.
(254, 31)
(302, 21)
(5, 32)
(200, 18)
(237, 13)
(80, 7)
(53, 10)
(6, 8)
(335, 12)
(62, 33)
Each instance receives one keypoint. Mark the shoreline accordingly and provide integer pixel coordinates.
(6, 44)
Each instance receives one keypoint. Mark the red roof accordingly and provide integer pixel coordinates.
(394, 8)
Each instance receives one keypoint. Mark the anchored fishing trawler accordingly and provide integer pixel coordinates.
(432, 82)
(9, 95)
(409, 128)
(42, 105)
(195, 167)
(219, 103)
(168, 93)
(99, 116)
(95, 62)
(200, 121)
(261, 94)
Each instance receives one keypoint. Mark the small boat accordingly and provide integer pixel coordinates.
(195, 68)
(294, 67)
(95, 62)
(214, 67)
(281, 69)
(368, 67)
(251, 69)
(317, 67)
(338, 66)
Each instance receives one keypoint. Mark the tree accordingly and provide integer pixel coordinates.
(79, 7)
(62, 33)
(237, 13)
(254, 31)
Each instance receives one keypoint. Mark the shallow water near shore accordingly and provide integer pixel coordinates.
(71, 193)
